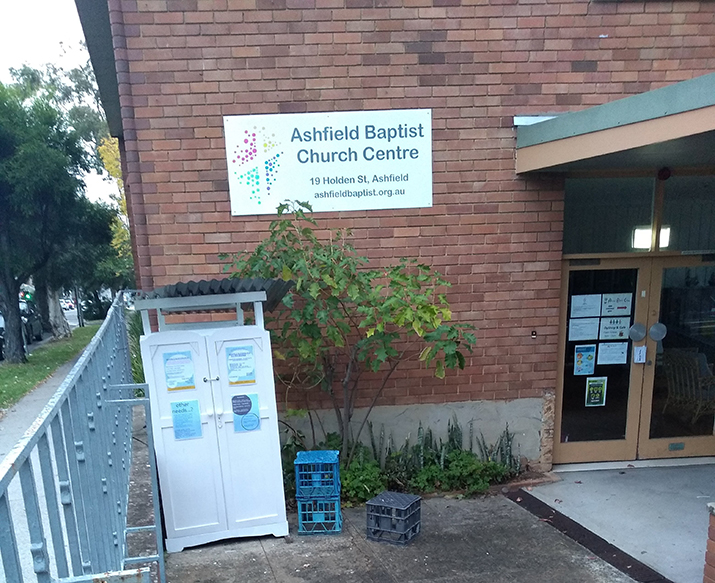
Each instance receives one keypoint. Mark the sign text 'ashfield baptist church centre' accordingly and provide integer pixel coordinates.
(335, 161)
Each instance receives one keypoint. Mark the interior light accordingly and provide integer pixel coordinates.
(642, 236)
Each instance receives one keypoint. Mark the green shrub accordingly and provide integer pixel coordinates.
(466, 472)
(362, 480)
(135, 329)
(462, 471)
(429, 479)
(428, 466)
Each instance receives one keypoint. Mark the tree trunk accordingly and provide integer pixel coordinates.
(60, 326)
(41, 300)
(78, 305)
(10, 305)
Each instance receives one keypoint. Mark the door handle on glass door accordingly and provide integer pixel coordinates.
(207, 379)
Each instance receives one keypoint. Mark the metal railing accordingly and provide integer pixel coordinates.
(68, 521)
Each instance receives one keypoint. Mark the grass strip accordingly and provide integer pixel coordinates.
(16, 380)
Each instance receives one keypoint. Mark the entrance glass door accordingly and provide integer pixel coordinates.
(678, 414)
(601, 392)
(638, 346)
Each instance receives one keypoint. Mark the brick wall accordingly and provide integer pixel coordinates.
(183, 64)
(709, 576)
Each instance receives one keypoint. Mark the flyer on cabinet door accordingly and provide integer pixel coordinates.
(179, 371)
(186, 419)
(246, 415)
(241, 365)
(336, 161)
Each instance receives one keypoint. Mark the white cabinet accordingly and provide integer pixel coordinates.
(215, 429)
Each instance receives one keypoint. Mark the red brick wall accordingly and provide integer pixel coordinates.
(183, 64)
(709, 576)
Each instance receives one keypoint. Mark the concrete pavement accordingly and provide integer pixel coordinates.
(656, 514)
(17, 419)
(485, 540)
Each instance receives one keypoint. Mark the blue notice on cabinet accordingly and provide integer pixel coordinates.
(246, 415)
(186, 419)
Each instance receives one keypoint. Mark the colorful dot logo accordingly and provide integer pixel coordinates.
(250, 183)
(271, 168)
(255, 149)
(246, 152)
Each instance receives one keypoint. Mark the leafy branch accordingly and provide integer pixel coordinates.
(345, 318)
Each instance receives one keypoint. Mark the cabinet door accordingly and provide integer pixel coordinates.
(247, 424)
(185, 437)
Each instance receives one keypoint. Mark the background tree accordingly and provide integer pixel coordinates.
(74, 93)
(121, 265)
(41, 159)
(85, 258)
(347, 320)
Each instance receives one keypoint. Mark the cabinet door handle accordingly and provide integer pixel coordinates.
(207, 379)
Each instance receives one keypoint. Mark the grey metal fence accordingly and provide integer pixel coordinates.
(64, 488)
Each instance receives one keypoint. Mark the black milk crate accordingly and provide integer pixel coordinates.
(319, 516)
(393, 517)
(317, 474)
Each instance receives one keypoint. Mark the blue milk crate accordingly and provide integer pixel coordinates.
(317, 475)
(393, 517)
(319, 516)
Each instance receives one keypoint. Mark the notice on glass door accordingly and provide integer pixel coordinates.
(246, 416)
(241, 364)
(186, 419)
(614, 328)
(612, 353)
(179, 371)
(586, 306)
(584, 359)
(617, 304)
(596, 391)
(583, 329)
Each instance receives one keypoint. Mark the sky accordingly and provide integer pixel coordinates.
(36, 32)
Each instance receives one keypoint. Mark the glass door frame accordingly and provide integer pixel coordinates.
(660, 447)
(604, 450)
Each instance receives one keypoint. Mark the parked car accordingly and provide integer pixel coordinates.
(31, 321)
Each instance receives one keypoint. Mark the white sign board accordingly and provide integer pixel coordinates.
(343, 161)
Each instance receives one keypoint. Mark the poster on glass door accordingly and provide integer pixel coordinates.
(614, 328)
(612, 353)
(584, 359)
(585, 306)
(596, 391)
(617, 304)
